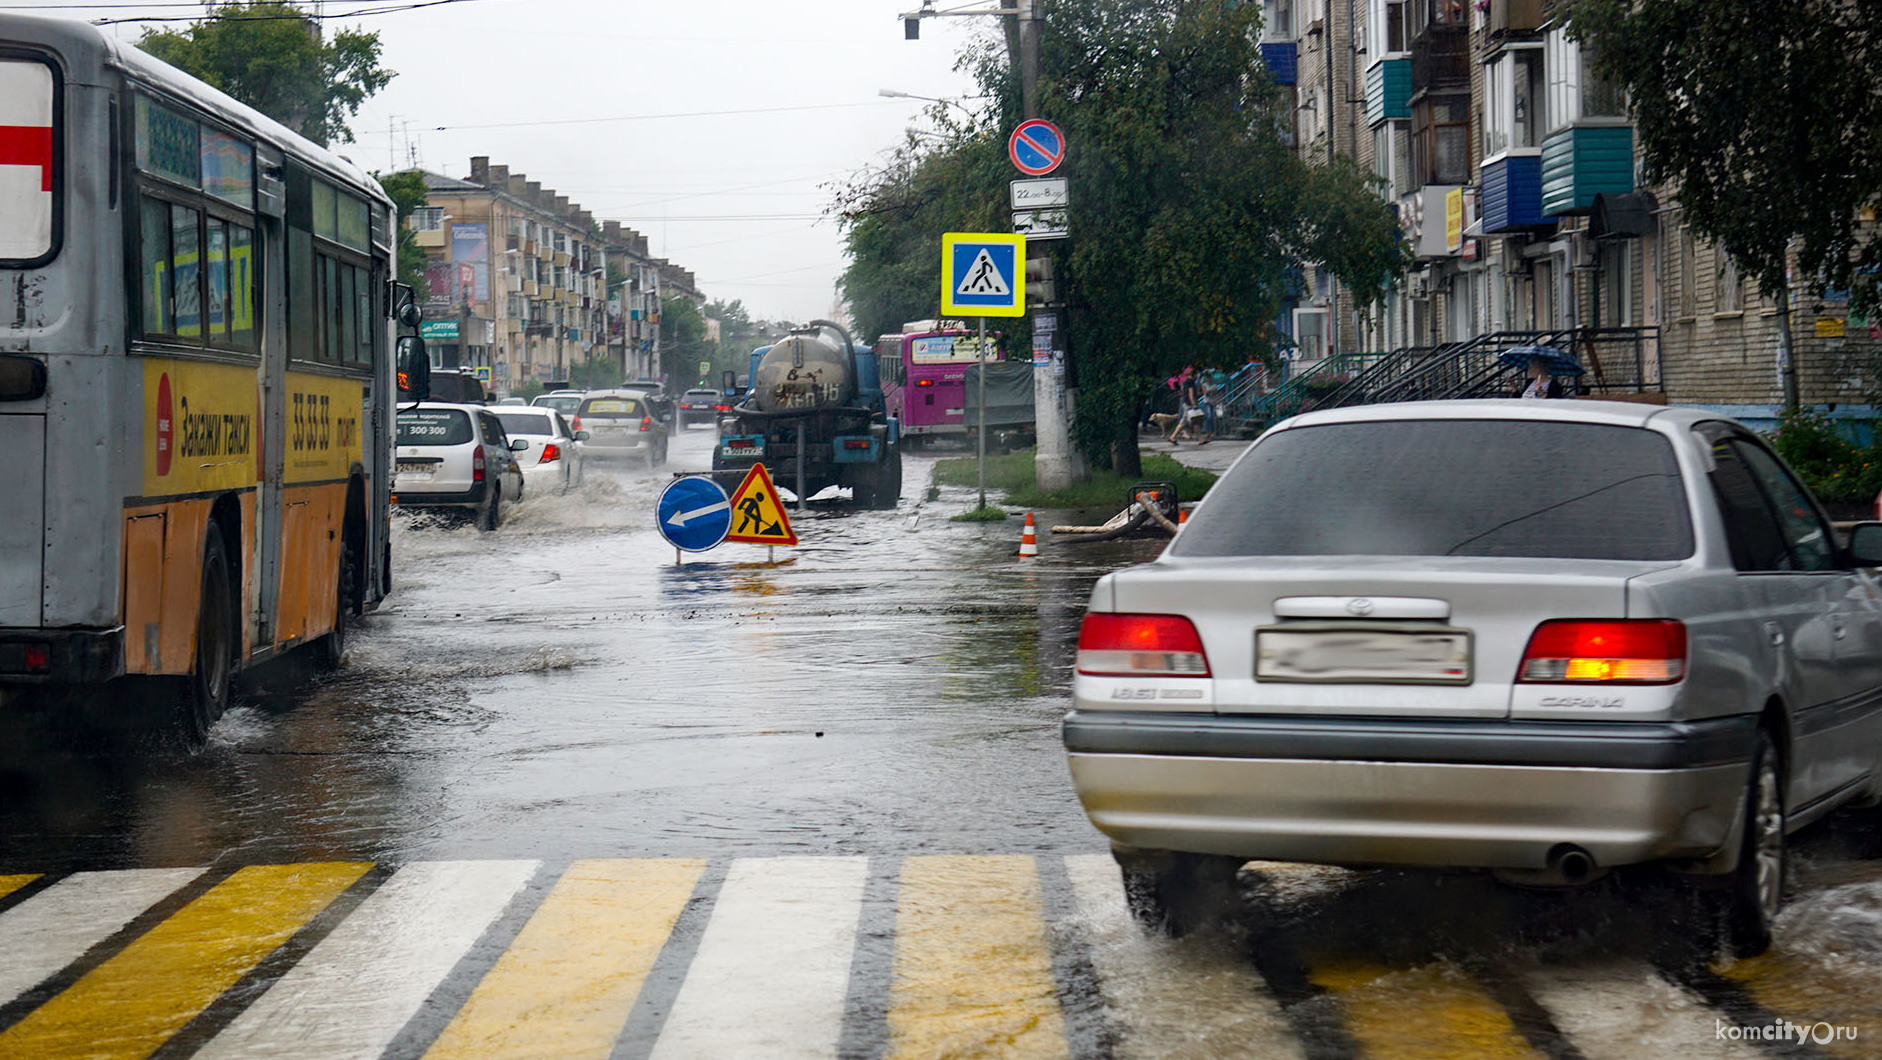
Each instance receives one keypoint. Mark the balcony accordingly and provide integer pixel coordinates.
(1283, 62)
(1440, 58)
(1514, 17)
(429, 237)
(529, 288)
(561, 259)
(1388, 91)
(1583, 161)
(1512, 194)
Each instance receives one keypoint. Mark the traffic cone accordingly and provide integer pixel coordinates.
(1028, 542)
(1182, 516)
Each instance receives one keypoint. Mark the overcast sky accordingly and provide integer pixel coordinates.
(736, 198)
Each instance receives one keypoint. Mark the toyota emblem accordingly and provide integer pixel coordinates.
(1360, 606)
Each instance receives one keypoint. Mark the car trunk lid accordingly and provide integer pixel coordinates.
(1368, 635)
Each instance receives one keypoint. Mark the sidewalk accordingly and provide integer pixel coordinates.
(1216, 456)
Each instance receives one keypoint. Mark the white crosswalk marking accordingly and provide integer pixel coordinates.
(353, 992)
(55, 927)
(1199, 997)
(772, 969)
(1625, 1009)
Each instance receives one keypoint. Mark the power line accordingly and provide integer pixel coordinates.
(299, 16)
(647, 117)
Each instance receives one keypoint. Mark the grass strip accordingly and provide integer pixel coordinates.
(1012, 474)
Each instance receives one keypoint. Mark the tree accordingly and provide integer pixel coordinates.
(1761, 115)
(271, 55)
(407, 190)
(682, 337)
(1188, 204)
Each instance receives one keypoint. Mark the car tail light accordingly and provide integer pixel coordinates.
(578, 424)
(477, 464)
(1140, 646)
(646, 423)
(855, 443)
(38, 658)
(1627, 652)
(722, 408)
(550, 451)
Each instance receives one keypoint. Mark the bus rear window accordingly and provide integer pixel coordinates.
(29, 138)
(434, 427)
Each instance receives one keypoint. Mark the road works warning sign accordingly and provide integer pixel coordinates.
(757, 515)
(983, 274)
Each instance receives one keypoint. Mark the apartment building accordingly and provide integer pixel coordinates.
(519, 281)
(1512, 166)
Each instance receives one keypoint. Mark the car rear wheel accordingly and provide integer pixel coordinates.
(1175, 894)
(1757, 886)
(493, 512)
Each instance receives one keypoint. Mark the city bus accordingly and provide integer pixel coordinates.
(196, 381)
(924, 373)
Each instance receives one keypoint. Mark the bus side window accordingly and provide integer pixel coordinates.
(242, 286)
(155, 241)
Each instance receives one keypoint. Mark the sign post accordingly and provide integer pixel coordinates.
(983, 274)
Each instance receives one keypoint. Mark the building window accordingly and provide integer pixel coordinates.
(1277, 22)
(1576, 90)
(1440, 152)
(1386, 28)
(1513, 101)
(1729, 287)
(1688, 276)
(427, 218)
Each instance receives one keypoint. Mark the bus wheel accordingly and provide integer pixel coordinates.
(206, 690)
(330, 650)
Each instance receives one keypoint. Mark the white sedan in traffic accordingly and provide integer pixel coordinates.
(554, 457)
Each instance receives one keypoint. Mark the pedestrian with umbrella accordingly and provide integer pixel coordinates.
(1545, 365)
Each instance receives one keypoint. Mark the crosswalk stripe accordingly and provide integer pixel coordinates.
(127, 1006)
(1434, 1010)
(564, 988)
(1625, 1009)
(9, 884)
(56, 926)
(355, 990)
(1155, 988)
(772, 970)
(1809, 993)
(973, 969)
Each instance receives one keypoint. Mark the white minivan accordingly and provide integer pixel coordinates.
(456, 457)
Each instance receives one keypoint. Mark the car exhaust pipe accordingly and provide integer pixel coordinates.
(1572, 864)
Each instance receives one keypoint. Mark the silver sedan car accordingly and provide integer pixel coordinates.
(1541, 638)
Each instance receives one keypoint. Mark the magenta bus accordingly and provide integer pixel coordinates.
(924, 373)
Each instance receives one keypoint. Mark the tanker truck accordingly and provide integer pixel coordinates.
(814, 417)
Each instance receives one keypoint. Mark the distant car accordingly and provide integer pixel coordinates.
(554, 457)
(700, 405)
(457, 386)
(621, 424)
(563, 401)
(662, 403)
(456, 458)
(513, 401)
(1544, 638)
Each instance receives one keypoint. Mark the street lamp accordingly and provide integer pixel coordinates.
(896, 93)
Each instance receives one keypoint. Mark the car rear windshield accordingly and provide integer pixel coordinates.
(1449, 488)
(434, 427)
(515, 423)
(611, 407)
(565, 404)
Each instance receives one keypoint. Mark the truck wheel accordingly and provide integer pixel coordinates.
(888, 490)
(1174, 893)
(212, 669)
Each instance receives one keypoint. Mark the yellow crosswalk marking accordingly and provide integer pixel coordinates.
(564, 988)
(973, 971)
(129, 1005)
(9, 884)
(1436, 1011)
(1818, 995)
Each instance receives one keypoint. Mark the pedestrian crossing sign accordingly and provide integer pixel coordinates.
(983, 274)
(757, 515)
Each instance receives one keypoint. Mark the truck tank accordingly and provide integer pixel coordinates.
(804, 372)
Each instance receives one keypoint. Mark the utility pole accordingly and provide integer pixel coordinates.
(1052, 459)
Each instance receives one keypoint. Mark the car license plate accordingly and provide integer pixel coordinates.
(417, 469)
(751, 445)
(1363, 655)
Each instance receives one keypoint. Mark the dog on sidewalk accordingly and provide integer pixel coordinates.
(1174, 425)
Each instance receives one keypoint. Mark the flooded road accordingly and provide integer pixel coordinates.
(568, 798)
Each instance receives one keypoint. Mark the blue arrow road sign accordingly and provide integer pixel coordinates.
(694, 513)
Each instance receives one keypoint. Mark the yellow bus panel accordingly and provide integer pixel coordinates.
(201, 429)
(323, 416)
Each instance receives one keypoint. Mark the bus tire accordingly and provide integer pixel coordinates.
(212, 669)
(330, 650)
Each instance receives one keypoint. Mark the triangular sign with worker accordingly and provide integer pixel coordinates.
(757, 515)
